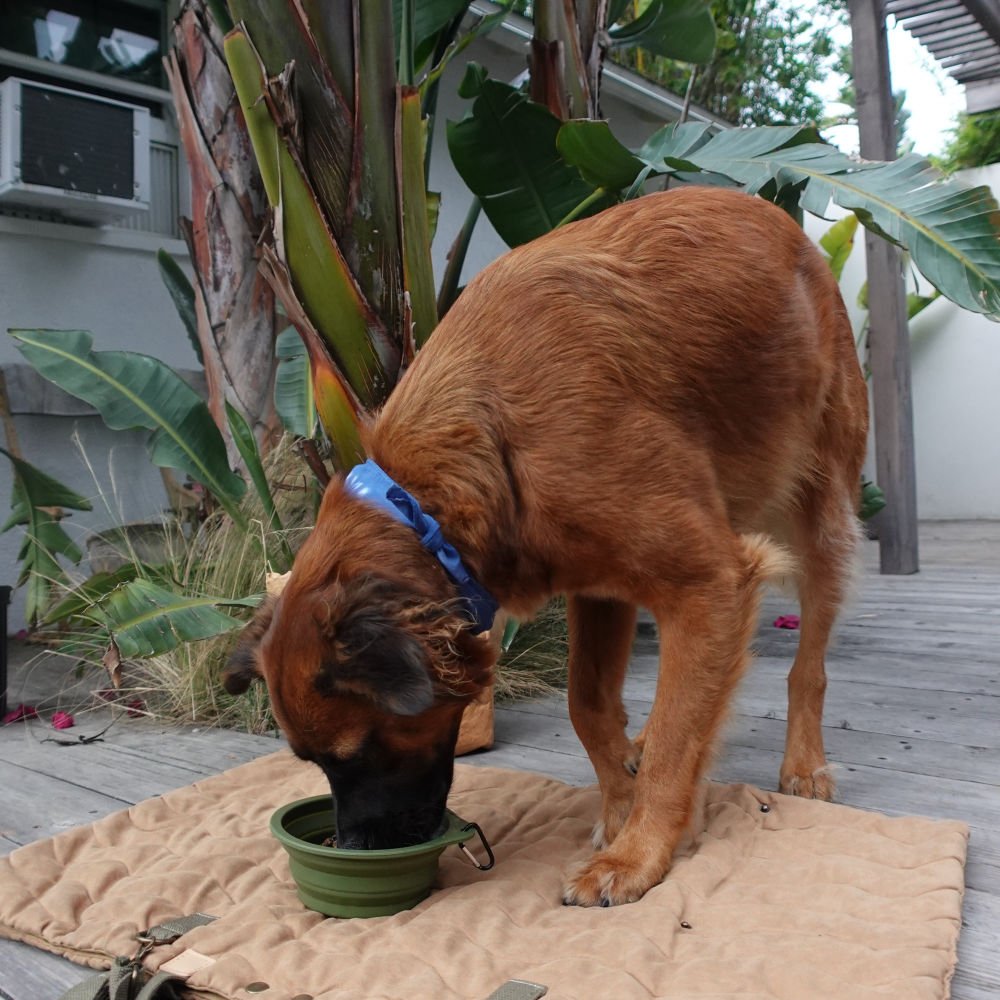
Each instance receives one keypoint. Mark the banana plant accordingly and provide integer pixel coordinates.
(35, 499)
(143, 619)
(339, 100)
(951, 230)
(133, 391)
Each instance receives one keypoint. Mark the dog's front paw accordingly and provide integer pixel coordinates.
(808, 784)
(605, 880)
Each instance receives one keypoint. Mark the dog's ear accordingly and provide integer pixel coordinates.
(243, 666)
(376, 657)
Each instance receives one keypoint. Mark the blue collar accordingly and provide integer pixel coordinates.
(369, 482)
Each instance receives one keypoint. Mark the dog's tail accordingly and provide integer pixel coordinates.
(766, 561)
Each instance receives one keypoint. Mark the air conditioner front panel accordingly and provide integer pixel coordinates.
(84, 157)
(76, 144)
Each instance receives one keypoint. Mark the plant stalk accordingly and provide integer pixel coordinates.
(591, 199)
(456, 260)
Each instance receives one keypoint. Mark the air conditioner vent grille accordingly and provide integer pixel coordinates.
(76, 144)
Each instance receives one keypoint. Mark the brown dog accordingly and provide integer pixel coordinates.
(629, 410)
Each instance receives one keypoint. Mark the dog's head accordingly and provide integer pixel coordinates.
(369, 664)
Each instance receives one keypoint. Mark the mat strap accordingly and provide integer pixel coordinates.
(125, 980)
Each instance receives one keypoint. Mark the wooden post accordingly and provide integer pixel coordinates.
(888, 338)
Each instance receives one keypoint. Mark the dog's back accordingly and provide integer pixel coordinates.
(692, 342)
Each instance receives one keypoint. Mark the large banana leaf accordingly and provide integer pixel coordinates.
(951, 231)
(81, 598)
(144, 619)
(505, 150)
(35, 498)
(332, 92)
(677, 29)
(132, 391)
(353, 354)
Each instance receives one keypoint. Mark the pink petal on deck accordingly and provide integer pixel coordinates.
(20, 714)
(786, 621)
(62, 720)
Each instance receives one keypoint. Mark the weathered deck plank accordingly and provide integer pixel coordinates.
(912, 726)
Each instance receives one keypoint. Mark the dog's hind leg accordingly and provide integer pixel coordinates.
(825, 534)
(600, 641)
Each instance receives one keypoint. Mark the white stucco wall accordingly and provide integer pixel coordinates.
(107, 282)
(955, 363)
(956, 398)
(102, 280)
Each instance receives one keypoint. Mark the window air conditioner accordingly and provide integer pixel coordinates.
(85, 157)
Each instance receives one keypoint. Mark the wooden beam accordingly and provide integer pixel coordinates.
(987, 13)
(951, 49)
(888, 338)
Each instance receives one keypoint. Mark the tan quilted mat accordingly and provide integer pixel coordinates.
(802, 902)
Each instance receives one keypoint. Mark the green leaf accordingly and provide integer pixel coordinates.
(418, 270)
(604, 161)
(40, 490)
(472, 81)
(94, 589)
(505, 150)
(597, 154)
(430, 17)
(951, 231)
(510, 630)
(293, 389)
(182, 292)
(320, 277)
(872, 500)
(33, 498)
(134, 390)
(916, 303)
(246, 444)
(838, 242)
(617, 10)
(676, 29)
(145, 619)
(481, 28)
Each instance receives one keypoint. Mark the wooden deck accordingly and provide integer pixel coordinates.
(912, 724)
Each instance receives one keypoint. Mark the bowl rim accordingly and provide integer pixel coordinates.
(457, 831)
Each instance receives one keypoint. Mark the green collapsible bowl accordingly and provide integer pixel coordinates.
(350, 883)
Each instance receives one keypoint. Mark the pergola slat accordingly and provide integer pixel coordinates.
(963, 35)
